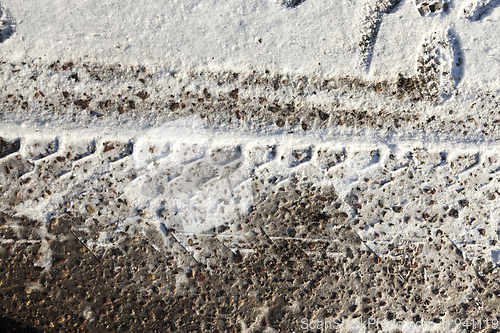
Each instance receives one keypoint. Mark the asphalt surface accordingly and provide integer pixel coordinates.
(414, 239)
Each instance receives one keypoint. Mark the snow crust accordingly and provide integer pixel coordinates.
(314, 38)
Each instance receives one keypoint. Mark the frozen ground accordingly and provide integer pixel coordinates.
(242, 166)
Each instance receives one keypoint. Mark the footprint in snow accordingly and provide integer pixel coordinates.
(440, 57)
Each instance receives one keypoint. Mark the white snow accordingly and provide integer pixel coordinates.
(187, 35)
(315, 38)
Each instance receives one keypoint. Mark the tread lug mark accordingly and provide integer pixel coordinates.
(64, 161)
(149, 151)
(19, 229)
(186, 153)
(9, 147)
(13, 167)
(176, 247)
(77, 152)
(365, 158)
(212, 205)
(114, 151)
(299, 156)
(478, 9)
(199, 173)
(371, 26)
(38, 150)
(225, 155)
(155, 184)
(258, 156)
(463, 163)
(493, 165)
(229, 169)
(328, 158)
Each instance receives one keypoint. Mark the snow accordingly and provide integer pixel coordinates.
(315, 37)
(199, 176)
(197, 204)
(186, 35)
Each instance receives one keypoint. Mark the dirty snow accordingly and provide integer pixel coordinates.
(199, 178)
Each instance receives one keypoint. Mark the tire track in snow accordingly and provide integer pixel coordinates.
(389, 194)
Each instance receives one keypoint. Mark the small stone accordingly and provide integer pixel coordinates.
(397, 209)
(322, 115)
(90, 209)
(453, 213)
(206, 93)
(174, 106)
(280, 123)
(131, 104)
(108, 147)
(82, 104)
(482, 232)
(463, 202)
